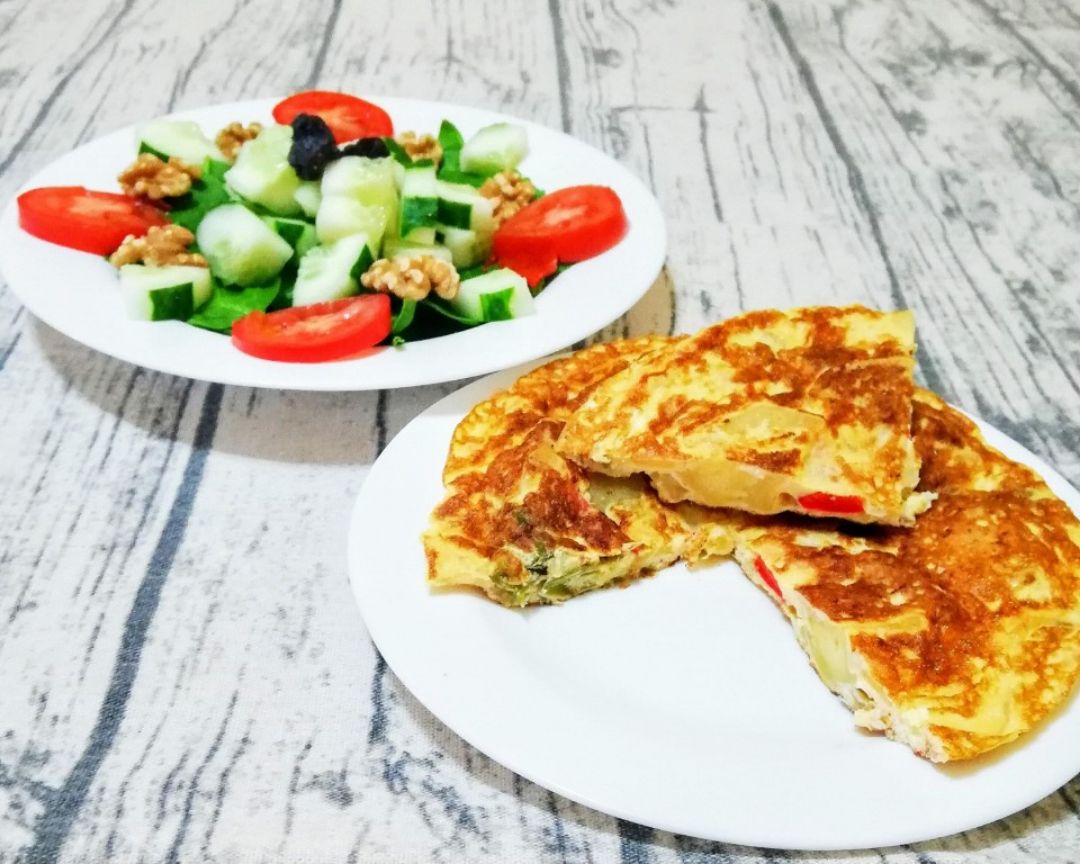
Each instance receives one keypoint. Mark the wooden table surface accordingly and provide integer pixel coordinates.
(183, 674)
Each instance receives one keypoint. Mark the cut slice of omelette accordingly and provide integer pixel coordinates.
(804, 410)
(526, 526)
(954, 636)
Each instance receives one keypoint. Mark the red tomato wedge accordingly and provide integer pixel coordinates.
(766, 576)
(311, 334)
(348, 117)
(567, 225)
(78, 218)
(823, 502)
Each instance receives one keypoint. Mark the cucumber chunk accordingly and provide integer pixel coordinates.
(419, 198)
(262, 173)
(241, 248)
(396, 248)
(308, 195)
(456, 203)
(180, 138)
(462, 206)
(494, 296)
(467, 248)
(339, 216)
(296, 232)
(359, 196)
(495, 148)
(333, 271)
(163, 293)
(418, 236)
(369, 181)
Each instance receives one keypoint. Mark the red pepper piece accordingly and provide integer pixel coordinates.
(767, 577)
(823, 502)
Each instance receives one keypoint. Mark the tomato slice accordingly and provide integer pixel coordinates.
(567, 225)
(766, 576)
(348, 117)
(823, 502)
(78, 218)
(311, 334)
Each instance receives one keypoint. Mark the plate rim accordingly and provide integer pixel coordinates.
(484, 357)
(1010, 804)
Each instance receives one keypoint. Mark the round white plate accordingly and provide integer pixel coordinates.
(682, 702)
(76, 293)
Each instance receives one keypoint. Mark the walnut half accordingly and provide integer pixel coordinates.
(149, 177)
(420, 147)
(234, 136)
(412, 277)
(510, 191)
(160, 246)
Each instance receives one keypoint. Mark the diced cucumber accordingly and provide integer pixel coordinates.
(296, 232)
(180, 138)
(163, 293)
(462, 206)
(418, 236)
(369, 181)
(308, 195)
(395, 247)
(241, 248)
(340, 215)
(498, 147)
(359, 196)
(456, 204)
(483, 216)
(452, 175)
(262, 173)
(333, 271)
(494, 296)
(467, 248)
(419, 198)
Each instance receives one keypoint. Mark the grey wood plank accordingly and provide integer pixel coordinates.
(184, 675)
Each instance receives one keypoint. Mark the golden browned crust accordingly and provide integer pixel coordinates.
(523, 524)
(552, 391)
(818, 398)
(981, 599)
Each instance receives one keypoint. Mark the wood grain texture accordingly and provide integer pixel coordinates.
(183, 676)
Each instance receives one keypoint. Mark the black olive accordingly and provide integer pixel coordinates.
(313, 146)
(373, 148)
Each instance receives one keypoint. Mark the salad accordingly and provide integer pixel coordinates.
(324, 234)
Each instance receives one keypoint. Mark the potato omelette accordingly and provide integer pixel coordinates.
(954, 635)
(805, 410)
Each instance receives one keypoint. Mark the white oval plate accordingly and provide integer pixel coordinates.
(682, 702)
(76, 293)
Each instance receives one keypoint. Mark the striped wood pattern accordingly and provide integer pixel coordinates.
(183, 676)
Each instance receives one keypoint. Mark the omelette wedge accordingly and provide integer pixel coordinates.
(955, 636)
(804, 410)
(524, 525)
